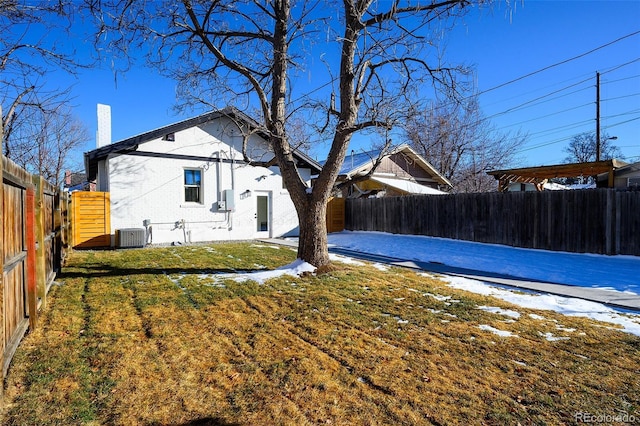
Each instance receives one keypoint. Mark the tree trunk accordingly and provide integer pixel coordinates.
(312, 243)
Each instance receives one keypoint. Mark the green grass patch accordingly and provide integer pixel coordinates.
(165, 336)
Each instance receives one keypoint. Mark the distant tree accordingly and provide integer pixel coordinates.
(28, 53)
(44, 145)
(377, 57)
(461, 144)
(582, 148)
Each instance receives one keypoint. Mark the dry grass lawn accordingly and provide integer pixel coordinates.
(155, 337)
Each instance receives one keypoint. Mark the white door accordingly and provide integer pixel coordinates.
(263, 215)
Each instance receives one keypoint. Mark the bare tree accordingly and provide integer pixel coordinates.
(369, 63)
(27, 53)
(460, 143)
(45, 143)
(582, 148)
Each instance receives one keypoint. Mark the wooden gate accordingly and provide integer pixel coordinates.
(18, 201)
(91, 219)
(335, 215)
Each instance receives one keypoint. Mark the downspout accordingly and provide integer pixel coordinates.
(233, 182)
(218, 175)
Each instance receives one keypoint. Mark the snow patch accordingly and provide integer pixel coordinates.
(501, 333)
(500, 311)
(551, 338)
(570, 306)
(344, 259)
(296, 268)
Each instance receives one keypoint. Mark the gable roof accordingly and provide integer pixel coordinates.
(629, 169)
(361, 162)
(92, 158)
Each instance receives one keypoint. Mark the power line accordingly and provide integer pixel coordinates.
(622, 114)
(621, 97)
(559, 63)
(543, 99)
(532, 101)
(623, 122)
(620, 66)
(564, 127)
(555, 113)
(529, 148)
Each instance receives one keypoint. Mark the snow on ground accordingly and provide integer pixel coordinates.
(571, 306)
(617, 273)
(620, 273)
(501, 333)
(298, 267)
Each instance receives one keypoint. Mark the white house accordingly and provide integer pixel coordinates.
(188, 182)
(627, 176)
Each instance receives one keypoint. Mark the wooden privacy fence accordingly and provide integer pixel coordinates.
(34, 214)
(602, 221)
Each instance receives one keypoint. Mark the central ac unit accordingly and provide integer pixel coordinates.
(130, 237)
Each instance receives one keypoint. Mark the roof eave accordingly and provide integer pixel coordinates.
(91, 158)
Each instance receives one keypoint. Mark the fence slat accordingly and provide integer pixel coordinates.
(2, 255)
(32, 277)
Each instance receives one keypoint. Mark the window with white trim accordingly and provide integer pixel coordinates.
(193, 186)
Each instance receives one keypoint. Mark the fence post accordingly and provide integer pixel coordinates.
(618, 218)
(68, 235)
(59, 228)
(41, 268)
(32, 296)
(609, 216)
(2, 284)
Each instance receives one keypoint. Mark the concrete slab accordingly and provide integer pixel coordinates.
(607, 297)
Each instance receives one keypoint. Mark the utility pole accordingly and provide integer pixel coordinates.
(597, 116)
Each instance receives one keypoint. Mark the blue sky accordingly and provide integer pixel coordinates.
(503, 43)
(508, 44)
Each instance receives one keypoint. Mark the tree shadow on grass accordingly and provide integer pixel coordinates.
(110, 271)
(206, 421)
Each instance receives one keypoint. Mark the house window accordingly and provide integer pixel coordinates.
(193, 185)
(169, 137)
(634, 182)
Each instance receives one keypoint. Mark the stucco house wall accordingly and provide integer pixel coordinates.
(628, 177)
(147, 187)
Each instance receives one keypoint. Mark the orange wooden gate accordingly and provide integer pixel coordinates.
(91, 219)
(335, 215)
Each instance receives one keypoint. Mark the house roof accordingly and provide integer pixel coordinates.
(407, 186)
(92, 158)
(623, 171)
(362, 162)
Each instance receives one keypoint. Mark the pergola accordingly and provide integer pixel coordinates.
(538, 176)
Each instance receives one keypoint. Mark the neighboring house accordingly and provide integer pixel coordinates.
(77, 181)
(401, 171)
(547, 186)
(625, 177)
(188, 182)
